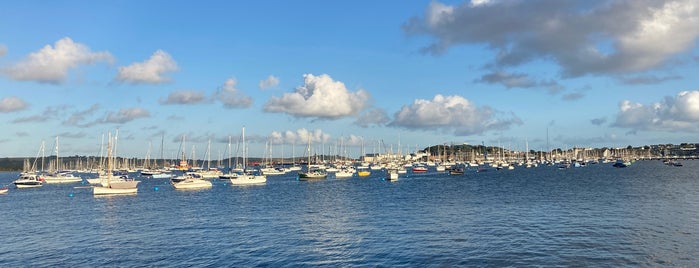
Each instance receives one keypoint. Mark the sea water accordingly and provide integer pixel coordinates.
(643, 215)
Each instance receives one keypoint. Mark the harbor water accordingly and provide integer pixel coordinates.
(644, 215)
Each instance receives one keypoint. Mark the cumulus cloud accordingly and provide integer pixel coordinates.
(319, 97)
(12, 104)
(678, 113)
(452, 114)
(582, 37)
(270, 82)
(151, 71)
(376, 116)
(184, 97)
(51, 64)
(126, 115)
(299, 136)
(231, 97)
(3, 50)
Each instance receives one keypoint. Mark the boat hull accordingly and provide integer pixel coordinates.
(247, 180)
(27, 185)
(306, 177)
(192, 184)
(100, 190)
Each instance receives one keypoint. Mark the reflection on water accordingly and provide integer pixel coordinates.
(644, 215)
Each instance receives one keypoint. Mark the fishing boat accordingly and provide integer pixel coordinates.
(4, 190)
(190, 180)
(28, 181)
(249, 176)
(115, 186)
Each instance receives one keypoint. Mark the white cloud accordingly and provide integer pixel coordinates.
(582, 37)
(476, 3)
(3, 50)
(270, 82)
(231, 97)
(125, 115)
(12, 104)
(151, 71)
(451, 114)
(679, 113)
(184, 97)
(319, 97)
(51, 64)
(300, 136)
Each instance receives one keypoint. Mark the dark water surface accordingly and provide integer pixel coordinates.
(644, 215)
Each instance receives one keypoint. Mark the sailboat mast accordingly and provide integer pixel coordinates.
(56, 150)
(162, 145)
(109, 159)
(245, 152)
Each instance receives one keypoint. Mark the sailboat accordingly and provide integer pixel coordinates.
(60, 176)
(112, 186)
(248, 176)
(312, 172)
(188, 180)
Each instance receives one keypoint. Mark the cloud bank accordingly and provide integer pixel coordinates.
(678, 113)
(300, 136)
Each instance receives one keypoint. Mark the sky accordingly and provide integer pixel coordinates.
(346, 76)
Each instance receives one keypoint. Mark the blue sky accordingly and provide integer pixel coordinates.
(592, 73)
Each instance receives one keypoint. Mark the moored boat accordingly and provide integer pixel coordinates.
(190, 180)
(419, 169)
(62, 177)
(28, 181)
(313, 173)
(115, 185)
